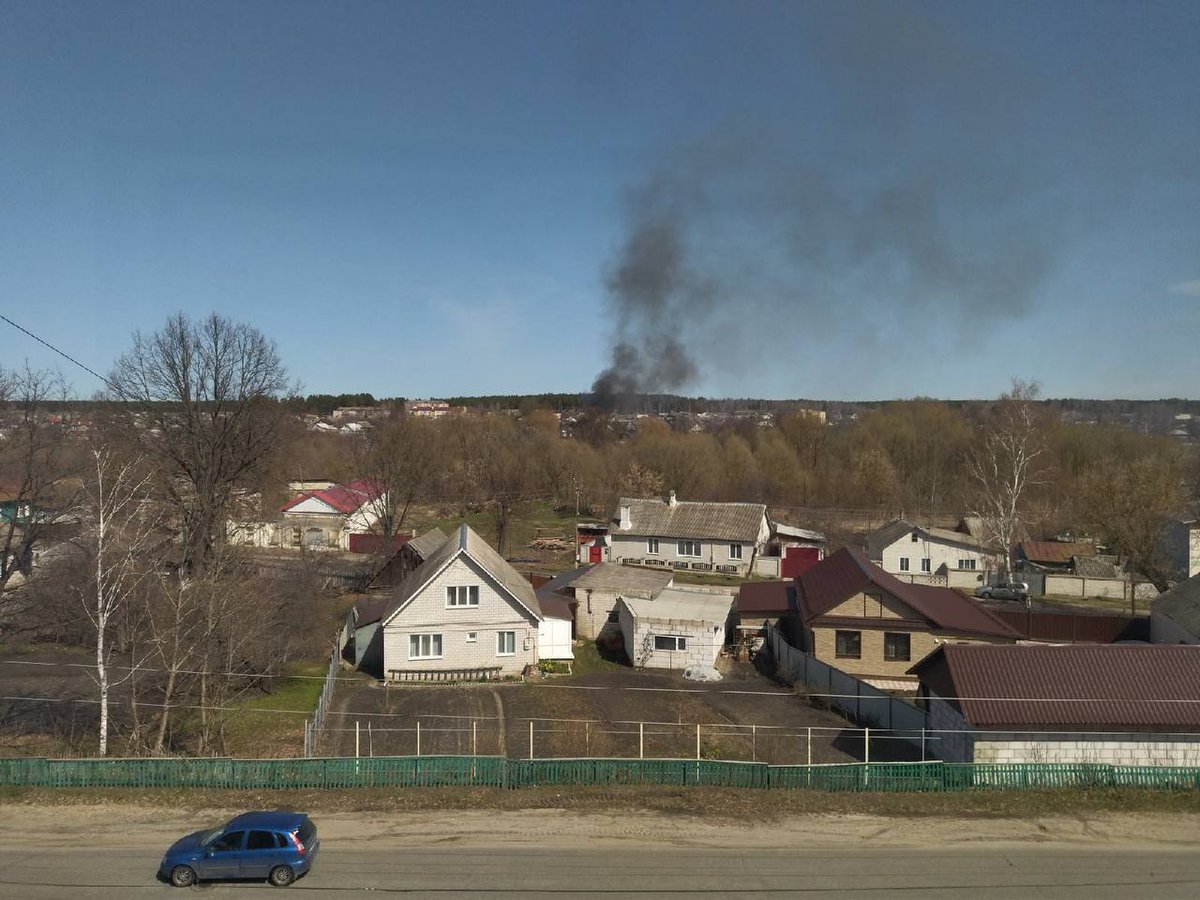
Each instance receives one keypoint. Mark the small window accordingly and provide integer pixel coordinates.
(472, 637)
(735, 551)
(914, 537)
(652, 546)
(463, 595)
(689, 548)
(261, 840)
(897, 647)
(614, 617)
(670, 642)
(506, 643)
(424, 646)
(848, 645)
(295, 537)
(968, 564)
(904, 564)
(926, 564)
(228, 843)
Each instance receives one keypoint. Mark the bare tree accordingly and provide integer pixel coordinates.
(201, 399)
(121, 529)
(1003, 463)
(400, 455)
(35, 460)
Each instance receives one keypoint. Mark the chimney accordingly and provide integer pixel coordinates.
(671, 501)
(626, 522)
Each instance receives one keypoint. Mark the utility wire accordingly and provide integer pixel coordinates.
(50, 346)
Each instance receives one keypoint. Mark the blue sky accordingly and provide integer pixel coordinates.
(813, 200)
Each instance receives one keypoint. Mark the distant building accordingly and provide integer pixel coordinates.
(433, 409)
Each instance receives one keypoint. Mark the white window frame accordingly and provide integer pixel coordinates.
(512, 635)
(459, 596)
(429, 638)
(968, 565)
(679, 643)
(690, 545)
(652, 546)
(904, 563)
(926, 564)
(472, 637)
(735, 551)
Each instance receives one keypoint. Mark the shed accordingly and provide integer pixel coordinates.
(554, 630)
(678, 629)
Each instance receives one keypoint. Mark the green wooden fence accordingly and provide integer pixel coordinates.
(495, 771)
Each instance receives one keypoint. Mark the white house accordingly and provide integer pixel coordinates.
(464, 613)
(918, 553)
(318, 518)
(596, 589)
(678, 629)
(684, 534)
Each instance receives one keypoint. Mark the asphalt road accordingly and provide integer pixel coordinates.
(979, 873)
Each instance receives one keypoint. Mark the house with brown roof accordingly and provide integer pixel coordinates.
(687, 534)
(857, 618)
(1122, 704)
(762, 602)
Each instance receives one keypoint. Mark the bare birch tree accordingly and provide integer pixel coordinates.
(1003, 463)
(119, 536)
(201, 399)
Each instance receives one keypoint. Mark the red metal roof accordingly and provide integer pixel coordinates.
(848, 572)
(1115, 686)
(345, 498)
(774, 598)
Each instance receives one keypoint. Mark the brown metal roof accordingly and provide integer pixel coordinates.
(1115, 686)
(1053, 552)
(848, 572)
(775, 598)
(692, 519)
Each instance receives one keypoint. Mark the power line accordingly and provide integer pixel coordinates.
(64, 355)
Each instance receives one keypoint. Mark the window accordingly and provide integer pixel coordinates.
(914, 537)
(735, 551)
(614, 617)
(472, 637)
(689, 548)
(424, 646)
(848, 644)
(652, 546)
(967, 564)
(506, 643)
(670, 642)
(896, 646)
(295, 537)
(228, 843)
(926, 564)
(261, 840)
(904, 564)
(464, 595)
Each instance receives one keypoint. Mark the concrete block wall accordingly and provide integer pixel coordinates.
(1152, 750)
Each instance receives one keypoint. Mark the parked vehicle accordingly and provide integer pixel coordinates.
(277, 846)
(1004, 590)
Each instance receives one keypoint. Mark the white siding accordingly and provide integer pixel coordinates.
(427, 614)
(712, 553)
(554, 639)
(938, 553)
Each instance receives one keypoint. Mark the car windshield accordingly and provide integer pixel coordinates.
(209, 836)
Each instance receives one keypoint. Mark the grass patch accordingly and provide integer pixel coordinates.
(260, 727)
(530, 520)
(590, 658)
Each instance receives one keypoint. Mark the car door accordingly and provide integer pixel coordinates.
(223, 858)
(263, 853)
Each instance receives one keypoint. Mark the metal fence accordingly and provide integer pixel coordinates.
(492, 771)
(314, 728)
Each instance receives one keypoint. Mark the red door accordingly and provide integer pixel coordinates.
(798, 560)
(595, 553)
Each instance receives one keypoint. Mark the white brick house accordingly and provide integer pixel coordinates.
(464, 610)
(917, 553)
(678, 629)
(685, 534)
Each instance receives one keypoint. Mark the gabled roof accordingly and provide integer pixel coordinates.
(610, 576)
(795, 532)
(343, 498)
(774, 598)
(1053, 552)
(884, 537)
(1095, 566)
(848, 572)
(1117, 686)
(698, 520)
(1181, 604)
(425, 544)
(467, 543)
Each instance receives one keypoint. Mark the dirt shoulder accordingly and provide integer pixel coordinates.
(674, 817)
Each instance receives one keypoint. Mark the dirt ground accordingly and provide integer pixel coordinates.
(55, 673)
(744, 717)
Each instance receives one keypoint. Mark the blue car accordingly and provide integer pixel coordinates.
(277, 846)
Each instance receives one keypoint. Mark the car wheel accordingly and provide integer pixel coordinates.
(282, 876)
(183, 876)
